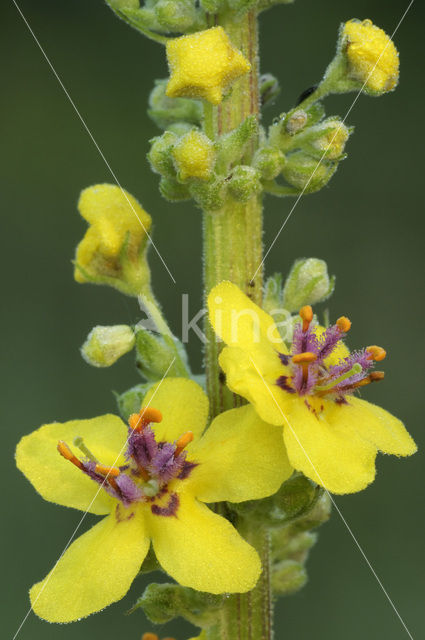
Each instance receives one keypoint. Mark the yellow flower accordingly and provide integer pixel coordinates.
(194, 156)
(114, 246)
(154, 482)
(331, 436)
(371, 55)
(203, 65)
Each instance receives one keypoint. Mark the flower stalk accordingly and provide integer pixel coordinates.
(233, 251)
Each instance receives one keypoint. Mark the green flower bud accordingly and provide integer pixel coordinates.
(269, 162)
(208, 195)
(177, 16)
(105, 345)
(288, 577)
(160, 154)
(130, 401)
(157, 355)
(269, 88)
(327, 139)
(244, 183)
(164, 602)
(296, 121)
(166, 111)
(232, 146)
(194, 156)
(173, 191)
(308, 283)
(306, 173)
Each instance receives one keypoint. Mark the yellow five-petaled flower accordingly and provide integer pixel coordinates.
(330, 435)
(155, 492)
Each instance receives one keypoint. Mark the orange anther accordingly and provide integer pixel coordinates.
(139, 420)
(149, 636)
(183, 441)
(306, 357)
(66, 452)
(376, 376)
(107, 471)
(343, 324)
(376, 353)
(306, 314)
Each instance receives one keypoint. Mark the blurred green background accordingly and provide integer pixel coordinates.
(368, 226)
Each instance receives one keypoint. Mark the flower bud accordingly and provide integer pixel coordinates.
(372, 58)
(173, 191)
(131, 400)
(308, 283)
(269, 162)
(194, 156)
(269, 88)
(105, 345)
(177, 16)
(244, 183)
(166, 111)
(209, 195)
(296, 121)
(113, 250)
(203, 65)
(157, 355)
(160, 156)
(288, 577)
(329, 138)
(306, 173)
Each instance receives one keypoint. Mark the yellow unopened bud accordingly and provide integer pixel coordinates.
(203, 65)
(105, 345)
(194, 156)
(333, 140)
(371, 56)
(114, 246)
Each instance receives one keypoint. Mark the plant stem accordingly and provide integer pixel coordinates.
(233, 251)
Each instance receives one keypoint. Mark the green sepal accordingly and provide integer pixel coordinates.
(209, 195)
(158, 355)
(179, 16)
(160, 154)
(303, 172)
(130, 401)
(164, 602)
(173, 191)
(165, 111)
(244, 183)
(150, 563)
(231, 147)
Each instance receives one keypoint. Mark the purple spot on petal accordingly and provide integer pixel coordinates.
(187, 469)
(170, 509)
(282, 383)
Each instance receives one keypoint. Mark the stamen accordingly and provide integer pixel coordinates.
(376, 353)
(306, 357)
(356, 368)
(343, 324)
(66, 452)
(138, 421)
(182, 442)
(374, 376)
(110, 473)
(306, 314)
(79, 442)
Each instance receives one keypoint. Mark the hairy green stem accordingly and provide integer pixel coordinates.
(233, 251)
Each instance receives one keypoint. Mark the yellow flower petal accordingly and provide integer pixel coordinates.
(328, 448)
(96, 570)
(184, 407)
(203, 65)
(241, 458)
(55, 478)
(202, 550)
(378, 426)
(245, 377)
(240, 322)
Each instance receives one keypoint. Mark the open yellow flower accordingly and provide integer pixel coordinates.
(330, 435)
(204, 65)
(151, 483)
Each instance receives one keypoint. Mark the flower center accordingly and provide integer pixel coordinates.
(150, 467)
(310, 371)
